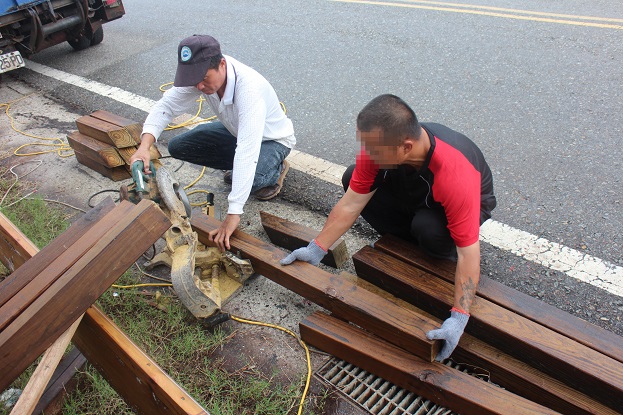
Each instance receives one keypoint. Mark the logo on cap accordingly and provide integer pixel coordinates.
(186, 54)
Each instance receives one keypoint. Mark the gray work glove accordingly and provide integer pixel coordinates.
(450, 331)
(312, 253)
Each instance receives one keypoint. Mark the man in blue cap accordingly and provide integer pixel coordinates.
(251, 138)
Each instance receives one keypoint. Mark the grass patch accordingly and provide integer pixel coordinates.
(162, 327)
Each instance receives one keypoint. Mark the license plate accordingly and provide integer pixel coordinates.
(10, 61)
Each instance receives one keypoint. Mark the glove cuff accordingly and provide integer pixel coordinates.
(317, 245)
(458, 310)
(460, 318)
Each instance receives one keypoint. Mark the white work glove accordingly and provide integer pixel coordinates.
(312, 253)
(450, 331)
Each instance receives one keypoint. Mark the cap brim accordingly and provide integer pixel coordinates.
(190, 75)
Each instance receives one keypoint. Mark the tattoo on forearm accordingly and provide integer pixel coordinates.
(469, 291)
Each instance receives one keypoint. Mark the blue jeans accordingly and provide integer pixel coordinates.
(212, 145)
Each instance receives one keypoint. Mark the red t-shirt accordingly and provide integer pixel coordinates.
(456, 186)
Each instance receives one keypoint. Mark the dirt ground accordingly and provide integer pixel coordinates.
(65, 180)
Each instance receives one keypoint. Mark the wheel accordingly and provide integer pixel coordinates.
(98, 36)
(80, 43)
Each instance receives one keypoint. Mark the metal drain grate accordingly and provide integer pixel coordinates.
(378, 396)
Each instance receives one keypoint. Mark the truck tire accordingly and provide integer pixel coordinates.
(98, 36)
(80, 43)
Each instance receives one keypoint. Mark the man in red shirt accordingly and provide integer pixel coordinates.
(423, 182)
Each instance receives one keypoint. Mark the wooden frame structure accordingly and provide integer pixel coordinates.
(133, 374)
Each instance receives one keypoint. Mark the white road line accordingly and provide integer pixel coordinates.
(558, 257)
(111, 92)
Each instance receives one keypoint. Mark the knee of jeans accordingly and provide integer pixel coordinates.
(173, 148)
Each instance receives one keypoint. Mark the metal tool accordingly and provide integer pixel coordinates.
(203, 277)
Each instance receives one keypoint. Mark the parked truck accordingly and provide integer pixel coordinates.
(29, 26)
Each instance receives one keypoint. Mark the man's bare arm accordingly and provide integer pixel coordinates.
(467, 276)
(342, 217)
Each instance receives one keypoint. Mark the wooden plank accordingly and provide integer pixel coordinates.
(128, 152)
(121, 358)
(135, 129)
(115, 174)
(15, 247)
(105, 132)
(508, 372)
(23, 275)
(574, 364)
(405, 328)
(102, 153)
(441, 384)
(291, 236)
(137, 378)
(59, 306)
(582, 331)
(55, 267)
(43, 373)
(62, 383)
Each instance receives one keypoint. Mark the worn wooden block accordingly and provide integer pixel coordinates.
(102, 153)
(441, 384)
(128, 152)
(38, 326)
(135, 129)
(553, 318)
(572, 363)
(344, 298)
(115, 173)
(106, 132)
(291, 236)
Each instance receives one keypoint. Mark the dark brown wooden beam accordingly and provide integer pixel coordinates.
(35, 329)
(574, 364)
(56, 266)
(582, 331)
(122, 358)
(510, 373)
(438, 383)
(12, 284)
(291, 236)
(131, 372)
(345, 299)
(62, 383)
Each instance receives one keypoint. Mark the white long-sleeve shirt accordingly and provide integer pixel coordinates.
(250, 111)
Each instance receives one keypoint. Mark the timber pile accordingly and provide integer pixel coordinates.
(133, 374)
(545, 361)
(43, 297)
(105, 142)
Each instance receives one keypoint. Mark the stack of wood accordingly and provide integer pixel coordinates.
(132, 373)
(105, 142)
(540, 360)
(49, 292)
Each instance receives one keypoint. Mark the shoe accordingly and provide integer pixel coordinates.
(269, 192)
(227, 177)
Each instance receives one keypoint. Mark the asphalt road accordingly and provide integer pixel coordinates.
(541, 93)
